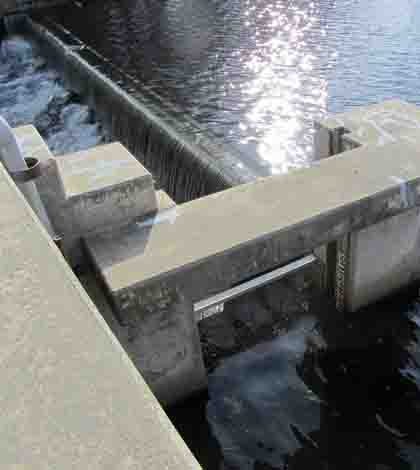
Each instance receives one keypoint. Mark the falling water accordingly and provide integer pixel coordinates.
(32, 93)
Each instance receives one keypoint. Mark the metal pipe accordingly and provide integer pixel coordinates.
(12, 157)
(248, 286)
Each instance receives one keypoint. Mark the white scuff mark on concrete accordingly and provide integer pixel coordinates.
(380, 119)
(404, 189)
(168, 215)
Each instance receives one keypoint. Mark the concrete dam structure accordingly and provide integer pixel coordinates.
(90, 380)
(155, 264)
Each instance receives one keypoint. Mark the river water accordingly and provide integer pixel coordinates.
(333, 392)
(256, 73)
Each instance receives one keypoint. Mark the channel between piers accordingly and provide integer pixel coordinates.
(70, 397)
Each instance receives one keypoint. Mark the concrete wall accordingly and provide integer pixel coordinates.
(374, 262)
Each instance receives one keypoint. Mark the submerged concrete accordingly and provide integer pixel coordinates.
(69, 395)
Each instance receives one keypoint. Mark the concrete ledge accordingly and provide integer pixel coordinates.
(226, 237)
(69, 395)
(376, 124)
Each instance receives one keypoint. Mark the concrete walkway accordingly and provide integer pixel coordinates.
(69, 396)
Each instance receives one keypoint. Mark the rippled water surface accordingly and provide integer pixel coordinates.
(32, 93)
(334, 392)
(256, 73)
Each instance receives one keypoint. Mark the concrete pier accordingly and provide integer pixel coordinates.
(154, 268)
(373, 262)
(213, 243)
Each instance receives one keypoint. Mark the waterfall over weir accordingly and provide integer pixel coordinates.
(184, 162)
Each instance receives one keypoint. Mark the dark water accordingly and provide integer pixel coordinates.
(336, 392)
(32, 93)
(256, 73)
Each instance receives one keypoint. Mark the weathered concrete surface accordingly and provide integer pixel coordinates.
(166, 346)
(376, 124)
(102, 187)
(168, 351)
(20, 6)
(214, 242)
(384, 257)
(95, 190)
(69, 395)
(265, 216)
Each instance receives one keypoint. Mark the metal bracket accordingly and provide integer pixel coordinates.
(202, 306)
(35, 170)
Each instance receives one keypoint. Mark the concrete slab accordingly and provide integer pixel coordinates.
(377, 124)
(208, 231)
(69, 395)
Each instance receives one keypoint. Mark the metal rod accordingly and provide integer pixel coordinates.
(251, 285)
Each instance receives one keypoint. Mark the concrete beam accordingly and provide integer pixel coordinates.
(212, 235)
(69, 395)
(212, 243)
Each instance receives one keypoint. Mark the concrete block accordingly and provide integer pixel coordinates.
(377, 124)
(160, 335)
(104, 186)
(94, 191)
(380, 259)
